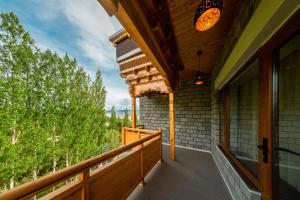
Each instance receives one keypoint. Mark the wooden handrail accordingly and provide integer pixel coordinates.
(140, 130)
(31, 188)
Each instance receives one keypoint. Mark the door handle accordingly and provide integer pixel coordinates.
(264, 148)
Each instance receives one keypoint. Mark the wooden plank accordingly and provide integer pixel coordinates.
(131, 138)
(151, 155)
(172, 131)
(117, 180)
(141, 130)
(69, 191)
(84, 177)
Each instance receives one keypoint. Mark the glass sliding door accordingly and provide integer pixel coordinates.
(244, 117)
(287, 121)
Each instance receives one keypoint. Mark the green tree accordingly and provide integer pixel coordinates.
(52, 114)
(126, 121)
(113, 121)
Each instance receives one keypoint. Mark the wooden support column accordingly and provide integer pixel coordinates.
(172, 130)
(133, 112)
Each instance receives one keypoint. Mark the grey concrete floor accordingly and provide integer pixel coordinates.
(193, 175)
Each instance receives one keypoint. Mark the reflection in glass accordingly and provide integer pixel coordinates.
(287, 136)
(244, 108)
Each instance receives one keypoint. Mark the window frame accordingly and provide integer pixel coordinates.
(250, 178)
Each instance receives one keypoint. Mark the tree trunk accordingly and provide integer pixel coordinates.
(34, 175)
(14, 139)
(11, 183)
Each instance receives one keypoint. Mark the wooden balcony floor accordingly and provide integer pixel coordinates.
(194, 175)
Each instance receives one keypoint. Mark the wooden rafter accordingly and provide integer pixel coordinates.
(149, 24)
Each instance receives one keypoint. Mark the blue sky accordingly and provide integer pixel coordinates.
(80, 28)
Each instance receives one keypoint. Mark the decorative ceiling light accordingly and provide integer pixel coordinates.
(199, 79)
(207, 14)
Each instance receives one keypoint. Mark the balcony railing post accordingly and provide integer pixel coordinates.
(123, 135)
(160, 146)
(142, 165)
(84, 177)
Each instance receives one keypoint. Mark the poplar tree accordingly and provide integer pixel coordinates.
(126, 121)
(52, 114)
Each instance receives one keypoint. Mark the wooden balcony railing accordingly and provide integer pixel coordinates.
(115, 180)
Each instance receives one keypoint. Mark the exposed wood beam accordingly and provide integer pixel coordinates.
(110, 6)
(172, 127)
(133, 112)
(132, 16)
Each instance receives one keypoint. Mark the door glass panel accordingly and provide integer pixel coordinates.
(287, 136)
(244, 107)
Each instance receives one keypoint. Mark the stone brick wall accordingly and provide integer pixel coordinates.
(238, 188)
(154, 113)
(192, 115)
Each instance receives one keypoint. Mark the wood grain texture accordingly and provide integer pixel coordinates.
(31, 188)
(189, 41)
(172, 126)
(68, 192)
(114, 181)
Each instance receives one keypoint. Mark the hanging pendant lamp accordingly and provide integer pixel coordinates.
(199, 79)
(207, 14)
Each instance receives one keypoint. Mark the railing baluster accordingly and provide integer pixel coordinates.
(123, 135)
(84, 177)
(160, 146)
(142, 165)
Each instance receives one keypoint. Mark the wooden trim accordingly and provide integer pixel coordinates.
(172, 130)
(265, 124)
(64, 191)
(84, 177)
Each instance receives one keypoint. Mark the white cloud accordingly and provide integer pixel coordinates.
(94, 26)
(118, 97)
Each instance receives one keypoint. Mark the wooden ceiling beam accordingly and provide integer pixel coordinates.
(148, 23)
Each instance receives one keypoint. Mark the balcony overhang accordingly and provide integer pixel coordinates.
(165, 33)
(138, 71)
(154, 36)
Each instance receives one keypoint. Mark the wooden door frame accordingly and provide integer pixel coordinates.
(268, 57)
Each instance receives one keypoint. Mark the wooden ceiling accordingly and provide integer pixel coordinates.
(164, 30)
(189, 41)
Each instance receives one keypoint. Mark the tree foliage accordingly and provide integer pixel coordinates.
(52, 114)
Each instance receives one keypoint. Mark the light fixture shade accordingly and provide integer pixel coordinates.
(207, 14)
(199, 80)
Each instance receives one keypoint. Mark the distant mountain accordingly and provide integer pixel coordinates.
(121, 112)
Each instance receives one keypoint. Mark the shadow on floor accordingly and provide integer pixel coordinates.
(193, 175)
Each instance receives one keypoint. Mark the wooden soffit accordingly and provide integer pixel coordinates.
(189, 40)
(141, 76)
(149, 24)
